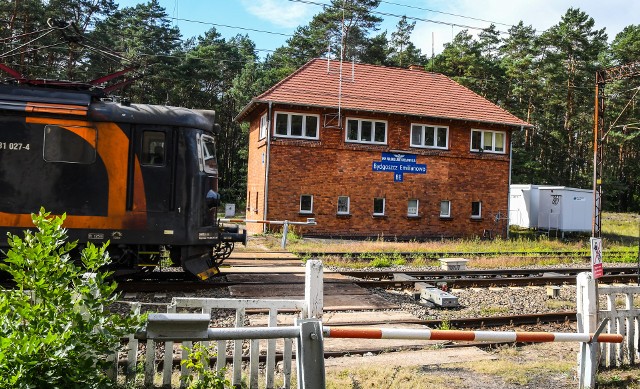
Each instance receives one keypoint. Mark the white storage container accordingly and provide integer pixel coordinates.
(551, 207)
(523, 205)
(565, 209)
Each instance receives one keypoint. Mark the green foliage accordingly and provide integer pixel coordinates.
(383, 260)
(54, 330)
(198, 364)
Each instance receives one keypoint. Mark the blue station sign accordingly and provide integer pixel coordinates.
(399, 164)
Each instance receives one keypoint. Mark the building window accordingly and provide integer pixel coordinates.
(378, 206)
(429, 136)
(294, 125)
(490, 141)
(343, 205)
(306, 204)
(412, 208)
(476, 209)
(263, 126)
(445, 208)
(366, 131)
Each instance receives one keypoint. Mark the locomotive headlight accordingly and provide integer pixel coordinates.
(212, 199)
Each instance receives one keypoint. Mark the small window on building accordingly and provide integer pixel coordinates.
(263, 127)
(366, 131)
(306, 204)
(248, 201)
(70, 144)
(476, 209)
(412, 208)
(445, 208)
(378, 206)
(294, 125)
(489, 141)
(429, 136)
(343, 205)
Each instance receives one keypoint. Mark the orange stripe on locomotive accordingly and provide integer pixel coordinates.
(112, 147)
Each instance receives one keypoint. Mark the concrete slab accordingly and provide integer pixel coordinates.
(239, 254)
(292, 290)
(345, 303)
(261, 269)
(412, 358)
(284, 277)
(335, 318)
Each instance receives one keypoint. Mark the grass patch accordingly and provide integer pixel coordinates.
(619, 378)
(494, 311)
(560, 304)
(620, 231)
(388, 377)
(521, 373)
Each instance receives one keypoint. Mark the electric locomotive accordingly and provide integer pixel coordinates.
(143, 177)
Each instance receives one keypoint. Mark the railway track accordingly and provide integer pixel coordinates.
(180, 281)
(435, 255)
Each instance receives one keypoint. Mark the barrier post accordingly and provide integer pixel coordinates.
(310, 354)
(313, 289)
(587, 320)
(285, 232)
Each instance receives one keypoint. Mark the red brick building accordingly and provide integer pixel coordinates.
(378, 152)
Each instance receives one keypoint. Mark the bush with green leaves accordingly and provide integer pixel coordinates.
(55, 330)
(198, 363)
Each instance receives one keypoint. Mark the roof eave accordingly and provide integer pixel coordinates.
(246, 110)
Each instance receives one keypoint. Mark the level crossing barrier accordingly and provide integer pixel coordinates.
(308, 334)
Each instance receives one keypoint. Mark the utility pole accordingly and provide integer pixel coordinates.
(604, 76)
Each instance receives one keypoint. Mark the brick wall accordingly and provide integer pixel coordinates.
(329, 168)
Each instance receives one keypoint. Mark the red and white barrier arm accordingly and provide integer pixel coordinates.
(478, 336)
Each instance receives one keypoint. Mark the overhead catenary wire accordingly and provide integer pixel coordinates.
(465, 26)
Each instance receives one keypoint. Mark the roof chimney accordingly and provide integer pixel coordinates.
(416, 67)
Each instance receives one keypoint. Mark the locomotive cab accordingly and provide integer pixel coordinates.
(143, 177)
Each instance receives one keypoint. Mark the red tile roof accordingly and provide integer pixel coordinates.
(383, 89)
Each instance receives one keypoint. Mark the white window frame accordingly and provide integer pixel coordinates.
(384, 205)
(373, 131)
(310, 210)
(304, 125)
(433, 128)
(492, 147)
(448, 214)
(263, 127)
(417, 207)
(479, 214)
(348, 206)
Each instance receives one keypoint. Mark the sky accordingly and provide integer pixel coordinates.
(269, 23)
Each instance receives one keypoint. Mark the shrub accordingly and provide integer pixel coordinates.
(54, 329)
(198, 363)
